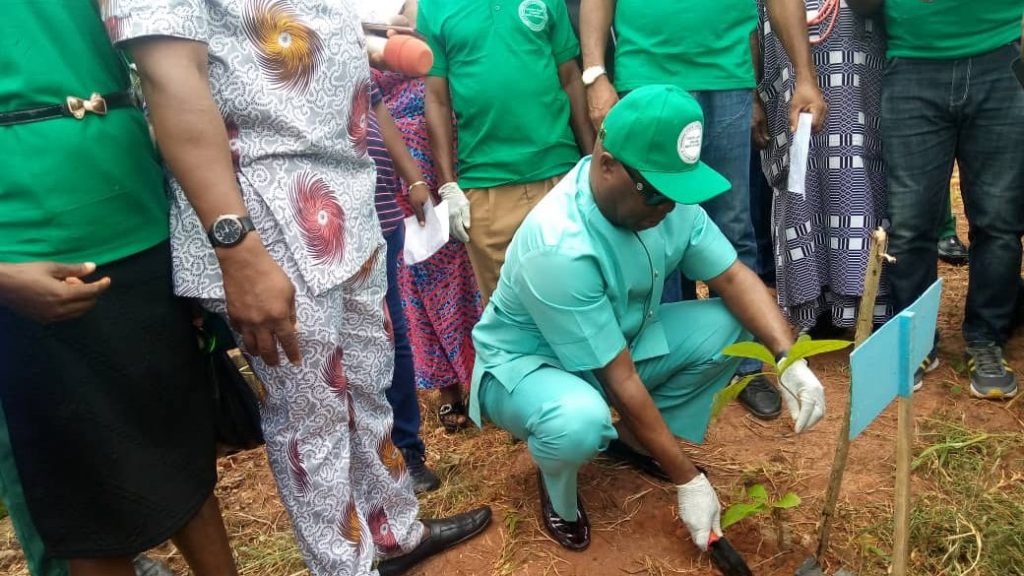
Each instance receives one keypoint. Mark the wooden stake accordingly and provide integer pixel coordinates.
(904, 454)
(865, 316)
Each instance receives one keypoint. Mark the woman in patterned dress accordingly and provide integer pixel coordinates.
(822, 236)
(442, 303)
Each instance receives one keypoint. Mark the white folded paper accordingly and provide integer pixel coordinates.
(798, 152)
(421, 242)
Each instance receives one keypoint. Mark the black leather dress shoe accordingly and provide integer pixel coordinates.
(443, 534)
(573, 536)
(761, 399)
(621, 452)
(952, 251)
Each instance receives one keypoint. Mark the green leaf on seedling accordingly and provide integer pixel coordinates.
(790, 500)
(807, 348)
(728, 394)
(740, 511)
(757, 494)
(750, 350)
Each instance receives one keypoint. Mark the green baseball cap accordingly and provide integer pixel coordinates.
(658, 130)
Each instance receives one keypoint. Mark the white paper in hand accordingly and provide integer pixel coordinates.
(421, 242)
(798, 152)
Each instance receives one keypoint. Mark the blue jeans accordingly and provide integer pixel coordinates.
(761, 218)
(405, 432)
(726, 149)
(971, 111)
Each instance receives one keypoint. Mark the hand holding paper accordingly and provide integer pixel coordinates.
(422, 241)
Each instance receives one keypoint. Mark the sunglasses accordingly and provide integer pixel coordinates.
(651, 195)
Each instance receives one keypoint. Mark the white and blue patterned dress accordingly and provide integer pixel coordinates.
(821, 238)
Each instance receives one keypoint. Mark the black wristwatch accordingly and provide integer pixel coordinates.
(229, 230)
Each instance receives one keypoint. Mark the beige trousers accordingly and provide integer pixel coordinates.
(495, 214)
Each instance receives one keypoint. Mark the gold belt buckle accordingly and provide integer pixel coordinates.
(78, 107)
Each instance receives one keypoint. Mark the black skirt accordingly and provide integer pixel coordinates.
(110, 415)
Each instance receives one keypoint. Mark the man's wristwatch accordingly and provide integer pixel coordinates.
(592, 73)
(229, 230)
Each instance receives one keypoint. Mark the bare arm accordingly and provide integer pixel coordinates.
(569, 77)
(759, 122)
(194, 143)
(748, 299)
(636, 407)
(407, 168)
(789, 21)
(439, 127)
(595, 22)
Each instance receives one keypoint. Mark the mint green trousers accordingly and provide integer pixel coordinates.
(565, 419)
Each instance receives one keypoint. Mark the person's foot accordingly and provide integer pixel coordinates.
(441, 535)
(146, 566)
(619, 451)
(952, 251)
(574, 536)
(760, 398)
(423, 478)
(452, 413)
(991, 376)
(930, 362)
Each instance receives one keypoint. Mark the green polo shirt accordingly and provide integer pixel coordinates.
(694, 44)
(950, 29)
(71, 190)
(501, 60)
(575, 289)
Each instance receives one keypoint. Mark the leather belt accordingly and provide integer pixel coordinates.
(73, 107)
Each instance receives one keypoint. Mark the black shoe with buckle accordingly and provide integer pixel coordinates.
(441, 535)
(760, 398)
(952, 251)
(574, 536)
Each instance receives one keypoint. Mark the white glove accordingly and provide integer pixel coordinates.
(803, 394)
(458, 210)
(700, 510)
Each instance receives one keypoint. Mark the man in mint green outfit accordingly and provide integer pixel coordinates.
(704, 48)
(576, 322)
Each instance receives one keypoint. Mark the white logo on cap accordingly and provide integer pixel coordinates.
(534, 14)
(689, 143)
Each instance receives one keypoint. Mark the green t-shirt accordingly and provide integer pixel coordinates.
(501, 60)
(71, 190)
(694, 44)
(950, 29)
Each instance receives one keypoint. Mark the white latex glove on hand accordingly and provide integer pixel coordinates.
(458, 210)
(700, 510)
(803, 394)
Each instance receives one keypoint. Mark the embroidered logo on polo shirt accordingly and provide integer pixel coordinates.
(534, 14)
(689, 143)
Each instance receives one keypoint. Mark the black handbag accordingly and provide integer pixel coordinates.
(237, 390)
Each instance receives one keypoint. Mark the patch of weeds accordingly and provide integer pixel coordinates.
(506, 564)
(970, 517)
(273, 554)
(3, 511)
